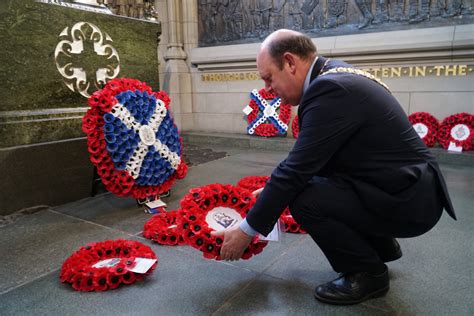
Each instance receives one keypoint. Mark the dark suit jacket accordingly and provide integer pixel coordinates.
(353, 130)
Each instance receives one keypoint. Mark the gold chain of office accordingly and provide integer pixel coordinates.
(356, 72)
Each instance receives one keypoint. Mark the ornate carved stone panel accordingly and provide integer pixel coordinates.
(241, 21)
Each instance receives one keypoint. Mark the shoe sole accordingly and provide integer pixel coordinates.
(375, 294)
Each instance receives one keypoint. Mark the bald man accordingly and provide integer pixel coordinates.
(357, 176)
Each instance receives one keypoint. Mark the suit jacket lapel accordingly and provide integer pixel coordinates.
(318, 66)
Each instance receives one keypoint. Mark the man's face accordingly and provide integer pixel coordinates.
(279, 81)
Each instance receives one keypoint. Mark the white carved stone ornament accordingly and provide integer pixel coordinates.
(72, 43)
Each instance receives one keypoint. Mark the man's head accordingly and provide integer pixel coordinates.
(283, 61)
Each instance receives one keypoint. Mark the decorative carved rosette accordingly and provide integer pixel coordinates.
(105, 265)
(132, 139)
(426, 125)
(459, 129)
(215, 207)
(163, 229)
(267, 107)
(295, 127)
(253, 183)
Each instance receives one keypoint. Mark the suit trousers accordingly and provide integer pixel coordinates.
(351, 237)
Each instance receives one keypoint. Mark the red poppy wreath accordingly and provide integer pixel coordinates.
(253, 183)
(132, 139)
(162, 228)
(295, 127)
(458, 129)
(426, 125)
(264, 108)
(105, 265)
(215, 207)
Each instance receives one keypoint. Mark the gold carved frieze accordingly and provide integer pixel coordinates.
(379, 72)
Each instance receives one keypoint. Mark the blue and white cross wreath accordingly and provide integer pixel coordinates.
(268, 112)
(154, 151)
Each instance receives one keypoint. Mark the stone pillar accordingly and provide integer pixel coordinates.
(176, 77)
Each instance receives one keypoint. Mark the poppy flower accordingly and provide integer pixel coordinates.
(129, 277)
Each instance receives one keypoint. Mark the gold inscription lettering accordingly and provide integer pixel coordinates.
(420, 71)
(462, 70)
(396, 72)
(450, 69)
(438, 70)
(384, 72)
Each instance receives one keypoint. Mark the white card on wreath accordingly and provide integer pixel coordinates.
(142, 265)
(454, 148)
(156, 203)
(247, 110)
(107, 263)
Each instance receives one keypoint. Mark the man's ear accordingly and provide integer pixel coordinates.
(290, 60)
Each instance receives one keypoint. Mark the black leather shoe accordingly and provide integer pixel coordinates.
(353, 288)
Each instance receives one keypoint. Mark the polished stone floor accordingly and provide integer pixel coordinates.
(434, 277)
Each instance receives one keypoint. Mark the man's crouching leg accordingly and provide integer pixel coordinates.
(320, 209)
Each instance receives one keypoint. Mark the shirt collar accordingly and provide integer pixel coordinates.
(308, 75)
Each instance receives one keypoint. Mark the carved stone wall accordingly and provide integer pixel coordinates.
(241, 21)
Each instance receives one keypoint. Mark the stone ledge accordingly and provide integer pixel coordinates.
(286, 143)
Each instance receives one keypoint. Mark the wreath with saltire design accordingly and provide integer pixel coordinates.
(132, 139)
(265, 106)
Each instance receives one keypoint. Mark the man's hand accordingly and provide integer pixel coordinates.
(235, 242)
(257, 192)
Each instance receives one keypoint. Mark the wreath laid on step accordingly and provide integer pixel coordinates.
(163, 229)
(105, 265)
(215, 207)
(253, 183)
(459, 129)
(267, 106)
(132, 139)
(295, 127)
(426, 125)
